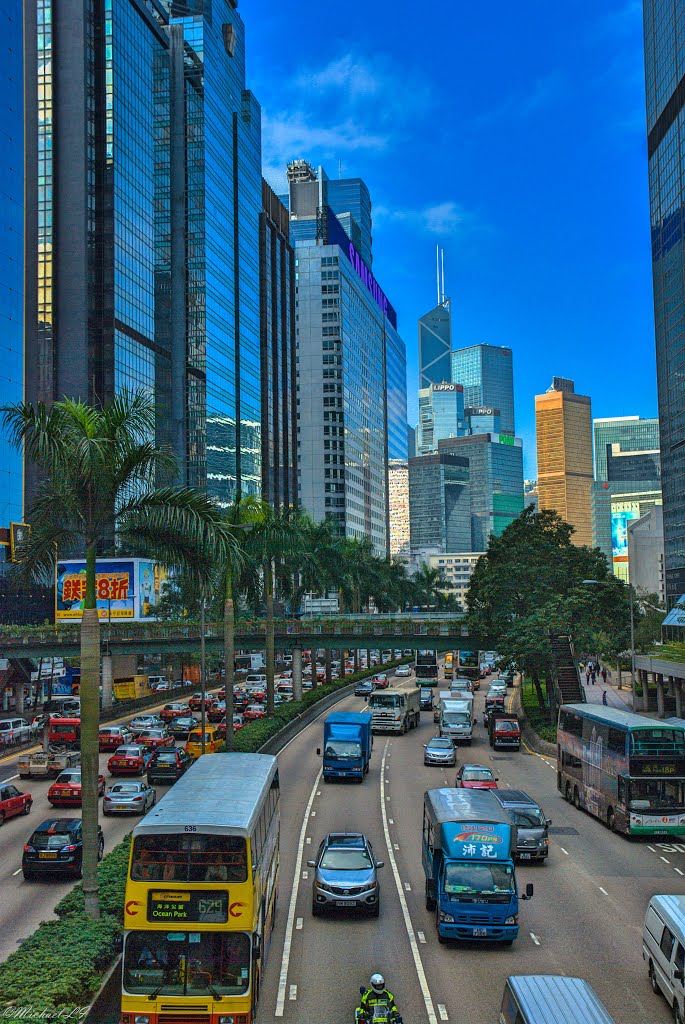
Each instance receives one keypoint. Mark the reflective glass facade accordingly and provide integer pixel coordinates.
(632, 433)
(11, 242)
(441, 415)
(440, 503)
(664, 34)
(435, 346)
(350, 200)
(487, 374)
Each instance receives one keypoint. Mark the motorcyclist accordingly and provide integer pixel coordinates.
(377, 993)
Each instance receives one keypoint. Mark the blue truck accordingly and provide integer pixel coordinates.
(468, 849)
(347, 744)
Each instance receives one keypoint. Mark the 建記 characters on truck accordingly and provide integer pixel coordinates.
(395, 710)
(468, 858)
(347, 744)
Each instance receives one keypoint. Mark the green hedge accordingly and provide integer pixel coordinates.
(62, 965)
(538, 719)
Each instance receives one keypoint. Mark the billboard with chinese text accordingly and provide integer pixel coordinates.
(125, 589)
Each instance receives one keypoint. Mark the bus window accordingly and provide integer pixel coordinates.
(616, 741)
(187, 963)
(651, 742)
(181, 858)
(571, 723)
(655, 794)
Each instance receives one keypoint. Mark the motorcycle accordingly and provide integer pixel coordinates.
(379, 1013)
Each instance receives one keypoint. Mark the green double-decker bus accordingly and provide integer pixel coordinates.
(627, 770)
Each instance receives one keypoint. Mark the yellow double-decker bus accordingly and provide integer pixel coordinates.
(201, 895)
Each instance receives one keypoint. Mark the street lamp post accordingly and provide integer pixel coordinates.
(203, 681)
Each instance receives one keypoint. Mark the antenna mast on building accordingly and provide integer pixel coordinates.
(442, 256)
(437, 269)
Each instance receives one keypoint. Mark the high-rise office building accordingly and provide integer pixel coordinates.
(11, 241)
(142, 263)
(630, 433)
(646, 553)
(435, 345)
(439, 503)
(495, 483)
(277, 321)
(664, 68)
(398, 508)
(487, 375)
(564, 448)
(352, 399)
(441, 415)
(348, 198)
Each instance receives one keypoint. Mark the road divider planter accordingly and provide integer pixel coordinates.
(63, 964)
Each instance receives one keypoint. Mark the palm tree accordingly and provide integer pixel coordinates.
(96, 468)
(275, 535)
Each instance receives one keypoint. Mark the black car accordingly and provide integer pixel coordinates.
(180, 727)
(56, 847)
(426, 699)
(168, 764)
(364, 688)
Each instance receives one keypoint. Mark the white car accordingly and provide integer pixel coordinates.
(403, 670)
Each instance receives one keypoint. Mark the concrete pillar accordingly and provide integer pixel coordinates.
(368, 657)
(342, 663)
(660, 695)
(328, 666)
(19, 696)
(644, 681)
(106, 681)
(297, 673)
(355, 655)
(678, 685)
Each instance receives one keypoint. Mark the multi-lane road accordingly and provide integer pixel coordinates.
(585, 918)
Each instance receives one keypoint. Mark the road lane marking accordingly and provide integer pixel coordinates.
(407, 887)
(298, 924)
(319, 793)
(418, 963)
(292, 994)
(391, 821)
(16, 872)
(313, 814)
(665, 860)
(308, 840)
(603, 890)
(535, 939)
(442, 1011)
(679, 871)
(287, 943)
(305, 875)
(563, 850)
(396, 846)
(651, 848)
(421, 936)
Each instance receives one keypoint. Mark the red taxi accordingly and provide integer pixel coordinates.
(195, 701)
(13, 801)
(154, 738)
(475, 776)
(66, 789)
(238, 723)
(127, 760)
(175, 710)
(112, 736)
(253, 712)
(217, 711)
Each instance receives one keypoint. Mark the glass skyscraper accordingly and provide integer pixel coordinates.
(439, 503)
(487, 375)
(11, 241)
(441, 415)
(664, 36)
(435, 346)
(142, 268)
(631, 433)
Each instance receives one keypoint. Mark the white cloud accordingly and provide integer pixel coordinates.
(346, 72)
(435, 219)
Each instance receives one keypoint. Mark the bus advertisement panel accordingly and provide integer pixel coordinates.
(201, 894)
(626, 770)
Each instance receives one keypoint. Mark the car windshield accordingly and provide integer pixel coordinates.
(127, 751)
(69, 777)
(532, 818)
(181, 858)
(187, 963)
(441, 744)
(335, 859)
(343, 749)
(125, 787)
(50, 840)
(477, 775)
(655, 794)
(463, 879)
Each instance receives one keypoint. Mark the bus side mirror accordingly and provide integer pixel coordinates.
(256, 947)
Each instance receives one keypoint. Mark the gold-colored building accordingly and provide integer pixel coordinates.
(563, 422)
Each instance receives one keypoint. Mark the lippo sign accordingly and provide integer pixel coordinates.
(337, 236)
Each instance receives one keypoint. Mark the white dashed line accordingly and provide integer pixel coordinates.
(407, 887)
(603, 890)
(313, 814)
(299, 923)
(287, 944)
(292, 993)
(679, 871)
(395, 846)
(442, 1011)
(665, 860)
(305, 874)
(319, 793)
(651, 848)
(535, 939)
(16, 872)
(390, 821)
(421, 937)
(563, 850)
(308, 840)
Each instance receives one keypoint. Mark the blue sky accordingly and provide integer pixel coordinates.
(511, 134)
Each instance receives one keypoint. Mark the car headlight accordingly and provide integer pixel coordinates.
(226, 1019)
(141, 1018)
(446, 918)
(511, 920)
(544, 842)
(324, 886)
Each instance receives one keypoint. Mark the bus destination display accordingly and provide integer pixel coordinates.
(206, 906)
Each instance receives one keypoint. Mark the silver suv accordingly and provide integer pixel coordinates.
(532, 842)
(345, 874)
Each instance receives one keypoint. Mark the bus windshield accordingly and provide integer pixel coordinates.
(187, 963)
(469, 879)
(651, 742)
(182, 858)
(655, 794)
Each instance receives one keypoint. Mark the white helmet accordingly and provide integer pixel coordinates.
(377, 983)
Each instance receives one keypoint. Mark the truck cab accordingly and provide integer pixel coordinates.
(347, 744)
(468, 859)
(456, 717)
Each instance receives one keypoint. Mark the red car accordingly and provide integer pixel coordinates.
(12, 802)
(176, 710)
(475, 776)
(195, 701)
(254, 711)
(217, 711)
(66, 789)
(154, 738)
(128, 760)
(112, 736)
(238, 723)
(380, 681)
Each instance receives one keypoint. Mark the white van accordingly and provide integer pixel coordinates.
(551, 999)
(255, 679)
(663, 949)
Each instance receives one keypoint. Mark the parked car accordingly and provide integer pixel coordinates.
(166, 766)
(131, 797)
(364, 688)
(254, 711)
(56, 847)
(13, 802)
(127, 760)
(180, 727)
(112, 736)
(175, 710)
(154, 738)
(66, 789)
(476, 776)
(345, 874)
(440, 750)
(141, 722)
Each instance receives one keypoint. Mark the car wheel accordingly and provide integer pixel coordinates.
(29, 876)
(105, 813)
(652, 979)
(508, 942)
(576, 798)
(611, 819)
(677, 1015)
(27, 806)
(441, 938)
(2, 817)
(568, 792)
(375, 912)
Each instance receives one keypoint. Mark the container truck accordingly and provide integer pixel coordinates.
(468, 850)
(347, 744)
(395, 710)
(456, 716)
